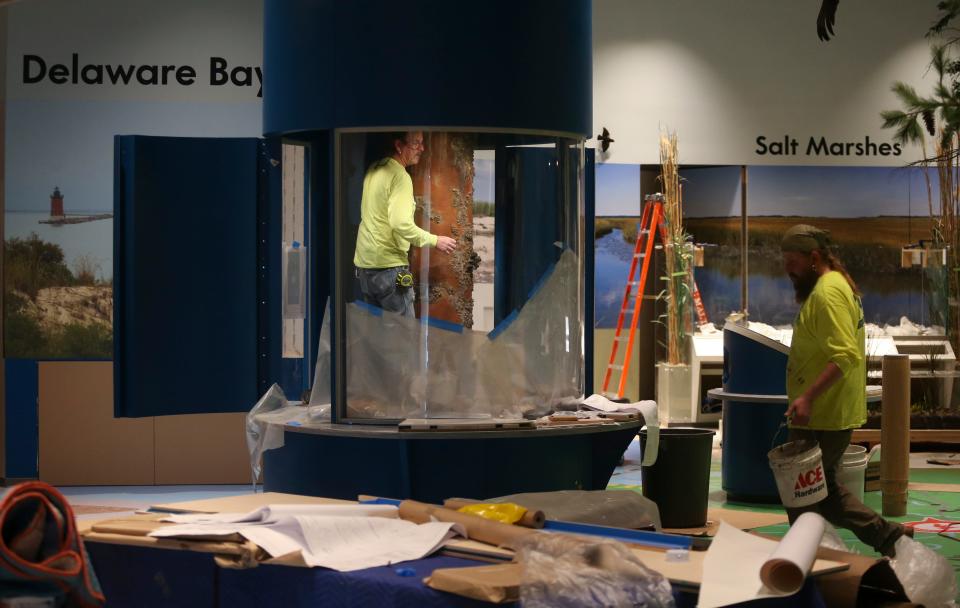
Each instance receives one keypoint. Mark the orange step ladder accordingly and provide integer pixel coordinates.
(651, 221)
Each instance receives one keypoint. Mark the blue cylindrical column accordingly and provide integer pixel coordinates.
(498, 64)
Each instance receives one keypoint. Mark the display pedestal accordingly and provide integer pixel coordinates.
(344, 461)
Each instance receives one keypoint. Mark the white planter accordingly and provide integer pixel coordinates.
(674, 393)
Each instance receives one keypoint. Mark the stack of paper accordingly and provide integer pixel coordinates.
(340, 537)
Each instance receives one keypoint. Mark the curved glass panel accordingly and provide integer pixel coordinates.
(458, 274)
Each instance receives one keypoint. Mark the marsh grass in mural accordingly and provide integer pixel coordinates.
(53, 311)
(870, 248)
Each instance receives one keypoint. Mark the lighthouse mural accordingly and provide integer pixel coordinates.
(58, 217)
(56, 204)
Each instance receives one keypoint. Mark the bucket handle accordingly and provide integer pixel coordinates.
(776, 433)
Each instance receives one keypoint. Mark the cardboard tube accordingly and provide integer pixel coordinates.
(530, 519)
(895, 434)
(477, 528)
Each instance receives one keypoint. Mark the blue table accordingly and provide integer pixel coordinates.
(145, 577)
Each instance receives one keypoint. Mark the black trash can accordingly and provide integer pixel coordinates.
(679, 481)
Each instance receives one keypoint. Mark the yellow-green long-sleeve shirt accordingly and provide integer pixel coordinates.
(829, 327)
(387, 228)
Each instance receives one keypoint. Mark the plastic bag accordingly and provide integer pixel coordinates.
(266, 420)
(562, 571)
(261, 435)
(926, 576)
(832, 540)
(505, 513)
(617, 508)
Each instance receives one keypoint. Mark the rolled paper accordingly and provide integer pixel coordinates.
(788, 565)
(530, 519)
(477, 528)
(895, 434)
(648, 409)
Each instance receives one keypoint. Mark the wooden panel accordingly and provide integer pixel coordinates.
(201, 448)
(872, 436)
(81, 443)
(244, 503)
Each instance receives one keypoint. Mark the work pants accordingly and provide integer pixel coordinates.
(841, 507)
(379, 288)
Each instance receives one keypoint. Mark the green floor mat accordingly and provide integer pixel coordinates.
(920, 505)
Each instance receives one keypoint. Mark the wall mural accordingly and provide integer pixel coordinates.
(58, 277)
(871, 213)
(58, 191)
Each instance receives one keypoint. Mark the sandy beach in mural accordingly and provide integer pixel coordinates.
(483, 239)
(58, 306)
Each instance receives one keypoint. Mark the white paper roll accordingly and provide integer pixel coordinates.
(788, 565)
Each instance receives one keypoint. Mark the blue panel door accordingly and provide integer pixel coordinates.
(185, 275)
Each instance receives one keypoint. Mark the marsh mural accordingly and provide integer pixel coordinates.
(871, 213)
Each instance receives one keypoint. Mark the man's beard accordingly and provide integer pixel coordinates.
(803, 284)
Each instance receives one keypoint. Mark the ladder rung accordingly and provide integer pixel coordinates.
(645, 231)
(616, 367)
(620, 338)
(633, 283)
(640, 255)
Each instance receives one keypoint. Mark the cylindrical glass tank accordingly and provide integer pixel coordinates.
(493, 328)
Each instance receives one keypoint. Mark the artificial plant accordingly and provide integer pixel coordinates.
(678, 253)
(933, 123)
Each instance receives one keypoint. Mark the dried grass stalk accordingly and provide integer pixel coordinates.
(677, 253)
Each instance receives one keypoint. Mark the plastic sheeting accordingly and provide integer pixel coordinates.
(926, 576)
(399, 367)
(265, 423)
(615, 508)
(320, 391)
(565, 571)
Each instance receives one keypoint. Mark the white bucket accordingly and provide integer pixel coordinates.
(798, 468)
(853, 466)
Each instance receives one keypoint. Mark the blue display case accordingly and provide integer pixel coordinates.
(754, 403)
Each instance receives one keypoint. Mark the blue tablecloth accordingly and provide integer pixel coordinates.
(147, 577)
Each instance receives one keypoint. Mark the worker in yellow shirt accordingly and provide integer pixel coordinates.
(826, 377)
(387, 229)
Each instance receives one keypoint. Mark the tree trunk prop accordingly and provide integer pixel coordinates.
(443, 187)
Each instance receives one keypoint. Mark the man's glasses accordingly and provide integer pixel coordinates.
(415, 144)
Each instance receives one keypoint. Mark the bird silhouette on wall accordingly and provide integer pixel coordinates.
(605, 140)
(826, 18)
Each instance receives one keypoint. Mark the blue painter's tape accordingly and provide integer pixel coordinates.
(381, 501)
(441, 324)
(503, 325)
(543, 279)
(651, 539)
(370, 308)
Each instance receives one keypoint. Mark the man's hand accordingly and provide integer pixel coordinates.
(799, 411)
(446, 244)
